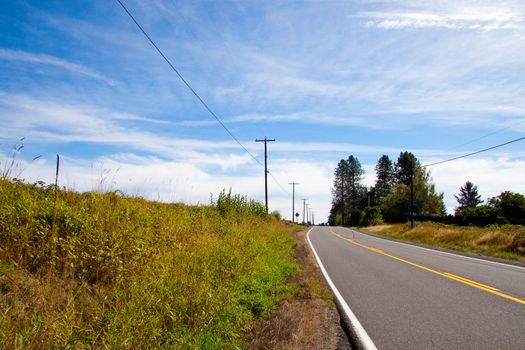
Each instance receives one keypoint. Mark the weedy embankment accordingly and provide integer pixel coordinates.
(505, 241)
(122, 272)
(310, 321)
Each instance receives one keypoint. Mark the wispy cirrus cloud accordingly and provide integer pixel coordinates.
(53, 122)
(28, 57)
(477, 15)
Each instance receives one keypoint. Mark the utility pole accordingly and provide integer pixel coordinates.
(293, 198)
(310, 218)
(304, 207)
(313, 220)
(411, 193)
(307, 218)
(265, 170)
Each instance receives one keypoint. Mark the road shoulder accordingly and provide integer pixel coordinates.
(310, 320)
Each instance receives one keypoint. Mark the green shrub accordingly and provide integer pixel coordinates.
(511, 206)
(122, 272)
(482, 215)
(371, 216)
(228, 204)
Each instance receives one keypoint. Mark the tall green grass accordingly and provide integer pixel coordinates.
(128, 273)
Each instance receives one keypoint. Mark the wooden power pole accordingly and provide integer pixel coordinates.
(293, 198)
(265, 169)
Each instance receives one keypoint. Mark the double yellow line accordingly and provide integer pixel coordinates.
(451, 276)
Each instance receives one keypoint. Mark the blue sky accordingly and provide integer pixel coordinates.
(326, 79)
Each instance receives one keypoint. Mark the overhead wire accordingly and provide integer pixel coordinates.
(473, 153)
(195, 93)
(186, 82)
(486, 135)
(227, 50)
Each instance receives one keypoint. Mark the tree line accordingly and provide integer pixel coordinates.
(404, 188)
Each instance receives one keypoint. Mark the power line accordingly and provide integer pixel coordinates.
(278, 183)
(486, 135)
(186, 83)
(473, 153)
(478, 138)
(195, 93)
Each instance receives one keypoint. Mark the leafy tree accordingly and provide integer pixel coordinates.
(468, 196)
(511, 206)
(481, 215)
(396, 205)
(427, 202)
(371, 216)
(385, 177)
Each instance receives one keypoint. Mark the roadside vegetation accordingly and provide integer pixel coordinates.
(119, 272)
(495, 227)
(310, 321)
(505, 241)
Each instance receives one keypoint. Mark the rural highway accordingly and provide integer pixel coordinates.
(409, 297)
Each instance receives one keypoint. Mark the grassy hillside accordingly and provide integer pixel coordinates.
(123, 272)
(506, 241)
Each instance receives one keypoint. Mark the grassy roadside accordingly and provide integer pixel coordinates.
(506, 241)
(128, 273)
(309, 320)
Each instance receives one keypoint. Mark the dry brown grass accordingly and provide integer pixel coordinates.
(379, 228)
(507, 241)
(308, 322)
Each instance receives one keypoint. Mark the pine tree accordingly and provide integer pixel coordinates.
(468, 196)
(348, 191)
(354, 179)
(385, 177)
(340, 190)
(406, 163)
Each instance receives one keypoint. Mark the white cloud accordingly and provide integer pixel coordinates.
(492, 176)
(167, 180)
(23, 56)
(50, 122)
(53, 122)
(484, 16)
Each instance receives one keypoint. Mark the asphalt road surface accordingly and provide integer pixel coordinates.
(409, 297)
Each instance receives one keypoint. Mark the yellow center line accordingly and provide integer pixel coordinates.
(471, 281)
(451, 276)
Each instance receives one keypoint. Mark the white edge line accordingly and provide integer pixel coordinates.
(438, 251)
(364, 338)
